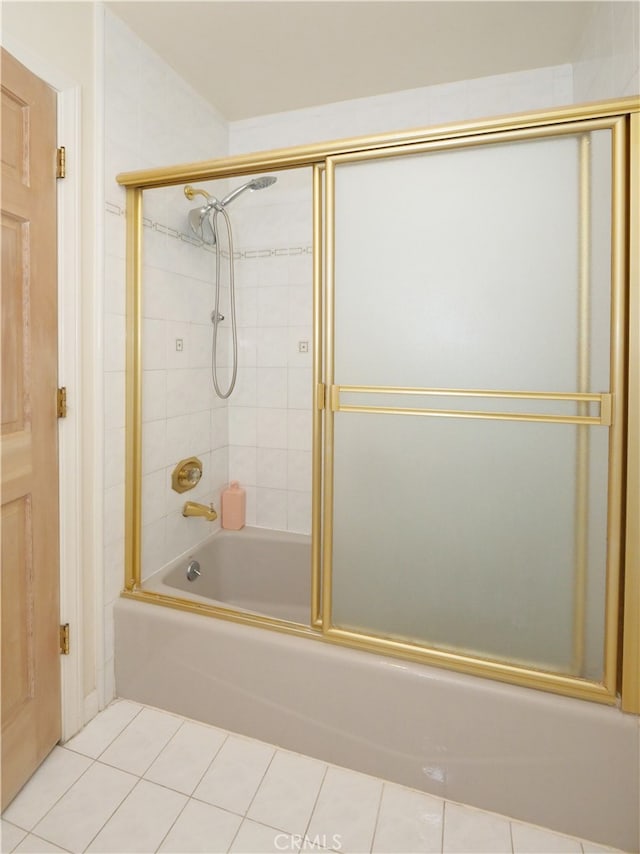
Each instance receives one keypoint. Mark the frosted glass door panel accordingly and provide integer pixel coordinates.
(461, 268)
(461, 535)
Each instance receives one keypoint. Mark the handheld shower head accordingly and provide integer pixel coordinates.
(262, 182)
(254, 184)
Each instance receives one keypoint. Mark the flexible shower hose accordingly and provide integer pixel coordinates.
(219, 209)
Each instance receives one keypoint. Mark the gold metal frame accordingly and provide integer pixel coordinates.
(603, 418)
(630, 689)
(322, 157)
(581, 533)
(310, 155)
(316, 475)
(133, 392)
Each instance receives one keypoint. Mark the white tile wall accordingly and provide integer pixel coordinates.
(268, 410)
(178, 404)
(152, 118)
(609, 53)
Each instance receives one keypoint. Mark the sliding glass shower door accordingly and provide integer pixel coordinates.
(471, 375)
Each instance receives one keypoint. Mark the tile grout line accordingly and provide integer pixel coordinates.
(13, 824)
(26, 833)
(279, 830)
(190, 796)
(511, 836)
(107, 765)
(375, 826)
(244, 817)
(115, 810)
(213, 759)
(42, 839)
(169, 714)
(129, 793)
(315, 803)
(95, 758)
(235, 835)
(184, 806)
(93, 761)
(444, 810)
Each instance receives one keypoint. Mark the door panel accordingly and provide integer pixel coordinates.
(30, 548)
(471, 372)
(17, 598)
(461, 269)
(14, 245)
(459, 534)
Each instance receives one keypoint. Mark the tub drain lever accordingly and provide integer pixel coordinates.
(193, 570)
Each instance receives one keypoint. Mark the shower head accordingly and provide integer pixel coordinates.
(199, 219)
(254, 184)
(262, 182)
(201, 224)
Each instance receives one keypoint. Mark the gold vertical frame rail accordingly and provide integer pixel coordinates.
(582, 432)
(631, 615)
(329, 371)
(618, 339)
(133, 391)
(316, 472)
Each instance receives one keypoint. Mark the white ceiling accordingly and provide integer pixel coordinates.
(253, 58)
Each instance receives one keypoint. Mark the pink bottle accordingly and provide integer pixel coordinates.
(234, 502)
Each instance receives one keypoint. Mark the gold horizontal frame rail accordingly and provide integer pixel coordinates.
(309, 155)
(516, 674)
(603, 419)
(567, 685)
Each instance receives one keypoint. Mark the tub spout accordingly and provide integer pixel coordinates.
(192, 508)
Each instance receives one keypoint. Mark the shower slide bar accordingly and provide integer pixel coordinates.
(604, 418)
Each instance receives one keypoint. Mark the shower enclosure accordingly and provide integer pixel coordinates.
(468, 438)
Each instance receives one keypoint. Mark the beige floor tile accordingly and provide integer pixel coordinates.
(58, 772)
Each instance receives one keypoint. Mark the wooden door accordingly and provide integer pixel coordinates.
(30, 706)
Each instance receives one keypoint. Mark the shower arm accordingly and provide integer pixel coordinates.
(190, 192)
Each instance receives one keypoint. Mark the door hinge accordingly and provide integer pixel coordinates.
(320, 396)
(62, 402)
(61, 162)
(64, 639)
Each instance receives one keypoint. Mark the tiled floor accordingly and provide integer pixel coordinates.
(138, 779)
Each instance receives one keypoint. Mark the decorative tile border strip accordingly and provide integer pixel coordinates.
(243, 254)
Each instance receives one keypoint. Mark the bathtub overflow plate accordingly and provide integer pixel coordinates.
(193, 570)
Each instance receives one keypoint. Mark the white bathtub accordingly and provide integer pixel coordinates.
(567, 764)
(255, 569)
